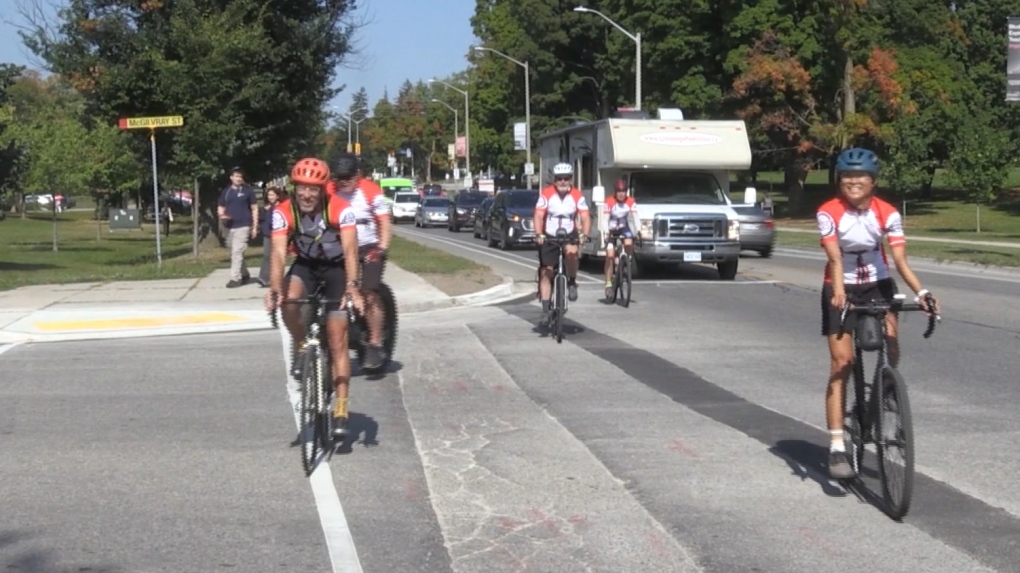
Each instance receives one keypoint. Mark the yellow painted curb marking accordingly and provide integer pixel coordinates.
(140, 322)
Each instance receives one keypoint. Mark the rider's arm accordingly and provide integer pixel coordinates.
(384, 221)
(585, 214)
(898, 246)
(347, 222)
(830, 244)
(278, 249)
(540, 211)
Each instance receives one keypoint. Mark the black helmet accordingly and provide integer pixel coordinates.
(346, 166)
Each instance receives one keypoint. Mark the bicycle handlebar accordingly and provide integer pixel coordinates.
(880, 307)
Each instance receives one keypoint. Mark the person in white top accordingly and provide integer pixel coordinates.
(559, 206)
(622, 215)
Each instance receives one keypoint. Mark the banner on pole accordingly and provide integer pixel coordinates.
(1013, 59)
(461, 146)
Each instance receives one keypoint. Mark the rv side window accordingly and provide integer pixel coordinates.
(678, 188)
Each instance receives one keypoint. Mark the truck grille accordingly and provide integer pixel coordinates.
(690, 228)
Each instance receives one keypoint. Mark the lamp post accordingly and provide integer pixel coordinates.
(467, 122)
(347, 116)
(455, 123)
(527, 102)
(637, 57)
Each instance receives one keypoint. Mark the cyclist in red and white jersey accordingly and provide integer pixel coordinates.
(559, 206)
(622, 216)
(852, 227)
(374, 228)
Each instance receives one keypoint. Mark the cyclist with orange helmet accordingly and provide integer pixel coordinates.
(322, 231)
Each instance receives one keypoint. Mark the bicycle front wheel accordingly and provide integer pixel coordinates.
(561, 307)
(625, 279)
(894, 436)
(312, 405)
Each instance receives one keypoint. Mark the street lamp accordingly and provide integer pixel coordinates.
(527, 102)
(467, 122)
(637, 57)
(455, 124)
(347, 115)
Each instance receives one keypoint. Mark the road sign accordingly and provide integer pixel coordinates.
(529, 168)
(150, 122)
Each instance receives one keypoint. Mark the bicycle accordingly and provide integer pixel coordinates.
(357, 334)
(623, 273)
(869, 412)
(559, 282)
(316, 414)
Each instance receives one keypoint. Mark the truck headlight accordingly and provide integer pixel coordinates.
(646, 229)
(734, 231)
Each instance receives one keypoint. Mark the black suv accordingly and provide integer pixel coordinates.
(512, 218)
(462, 209)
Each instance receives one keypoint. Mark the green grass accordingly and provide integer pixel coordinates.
(999, 256)
(27, 256)
(419, 259)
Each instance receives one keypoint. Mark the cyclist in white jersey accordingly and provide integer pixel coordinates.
(374, 234)
(621, 212)
(852, 227)
(558, 207)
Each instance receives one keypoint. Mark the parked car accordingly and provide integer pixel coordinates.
(480, 226)
(462, 209)
(431, 211)
(757, 230)
(404, 205)
(511, 218)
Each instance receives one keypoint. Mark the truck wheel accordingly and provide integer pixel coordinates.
(728, 270)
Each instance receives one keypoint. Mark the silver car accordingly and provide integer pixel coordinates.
(757, 229)
(432, 211)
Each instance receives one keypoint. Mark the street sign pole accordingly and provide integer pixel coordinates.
(155, 198)
(152, 124)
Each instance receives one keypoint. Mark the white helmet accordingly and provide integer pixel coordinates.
(563, 169)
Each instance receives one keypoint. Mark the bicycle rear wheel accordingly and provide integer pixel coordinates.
(311, 408)
(625, 279)
(388, 302)
(561, 307)
(894, 436)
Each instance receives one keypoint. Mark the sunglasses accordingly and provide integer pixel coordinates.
(566, 178)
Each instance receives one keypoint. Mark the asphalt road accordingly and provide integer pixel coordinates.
(681, 434)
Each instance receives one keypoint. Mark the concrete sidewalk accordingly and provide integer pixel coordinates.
(123, 309)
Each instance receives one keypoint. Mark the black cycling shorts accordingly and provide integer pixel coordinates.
(330, 274)
(548, 251)
(857, 294)
(371, 272)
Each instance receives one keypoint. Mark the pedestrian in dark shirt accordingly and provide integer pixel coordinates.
(238, 211)
(272, 197)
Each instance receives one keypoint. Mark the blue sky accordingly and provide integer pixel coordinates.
(402, 40)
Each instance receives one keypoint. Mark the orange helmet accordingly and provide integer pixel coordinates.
(310, 171)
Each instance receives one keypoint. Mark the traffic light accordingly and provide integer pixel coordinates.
(357, 149)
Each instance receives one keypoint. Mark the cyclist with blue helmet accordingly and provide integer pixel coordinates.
(852, 227)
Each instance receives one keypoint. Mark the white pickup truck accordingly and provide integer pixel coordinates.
(678, 171)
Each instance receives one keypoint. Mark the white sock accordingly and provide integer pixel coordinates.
(836, 443)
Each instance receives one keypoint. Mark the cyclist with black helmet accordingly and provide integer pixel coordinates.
(374, 232)
(852, 227)
(321, 231)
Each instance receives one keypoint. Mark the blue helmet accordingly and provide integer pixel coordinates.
(857, 160)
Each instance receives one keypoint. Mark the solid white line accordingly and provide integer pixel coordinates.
(919, 266)
(701, 282)
(505, 257)
(343, 555)
(7, 347)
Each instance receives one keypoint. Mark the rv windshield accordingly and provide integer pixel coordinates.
(676, 188)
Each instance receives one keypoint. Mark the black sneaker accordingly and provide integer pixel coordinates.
(572, 292)
(373, 356)
(297, 361)
(545, 318)
(234, 284)
(839, 466)
(340, 426)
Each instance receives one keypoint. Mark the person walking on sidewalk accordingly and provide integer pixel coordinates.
(270, 199)
(239, 211)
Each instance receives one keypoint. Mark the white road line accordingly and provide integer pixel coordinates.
(701, 282)
(976, 273)
(6, 347)
(505, 257)
(343, 555)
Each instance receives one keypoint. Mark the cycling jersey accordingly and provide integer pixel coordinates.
(859, 236)
(560, 210)
(619, 214)
(313, 237)
(369, 204)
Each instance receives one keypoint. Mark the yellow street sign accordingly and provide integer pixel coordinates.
(150, 122)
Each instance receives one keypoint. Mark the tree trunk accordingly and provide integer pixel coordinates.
(53, 211)
(194, 220)
(795, 173)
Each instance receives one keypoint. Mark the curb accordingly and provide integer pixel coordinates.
(493, 295)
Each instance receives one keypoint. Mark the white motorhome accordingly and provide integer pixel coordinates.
(677, 170)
